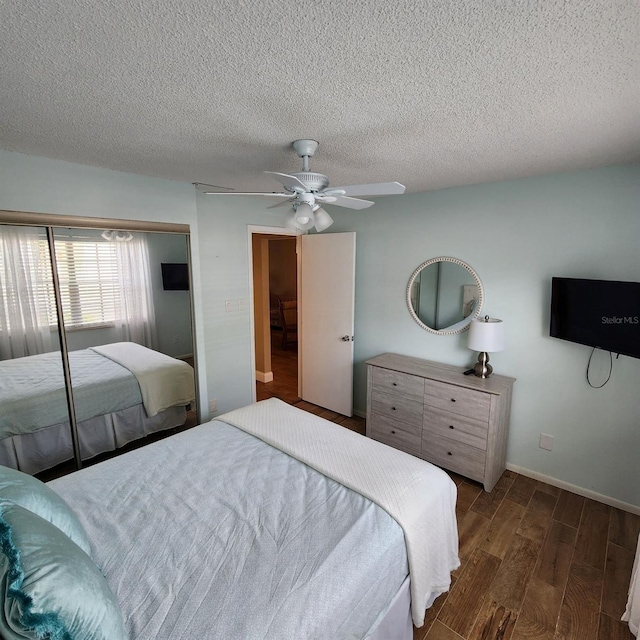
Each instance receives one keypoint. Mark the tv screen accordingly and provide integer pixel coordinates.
(175, 276)
(597, 313)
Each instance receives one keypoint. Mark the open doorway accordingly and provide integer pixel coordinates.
(275, 300)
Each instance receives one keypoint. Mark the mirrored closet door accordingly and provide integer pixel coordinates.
(34, 409)
(124, 298)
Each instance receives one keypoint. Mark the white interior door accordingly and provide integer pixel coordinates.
(326, 316)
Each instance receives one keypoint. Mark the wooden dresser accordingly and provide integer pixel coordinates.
(433, 411)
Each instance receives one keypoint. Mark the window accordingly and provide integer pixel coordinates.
(89, 283)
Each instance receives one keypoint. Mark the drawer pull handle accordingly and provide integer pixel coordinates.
(395, 384)
(449, 453)
(392, 431)
(393, 408)
(451, 426)
(453, 399)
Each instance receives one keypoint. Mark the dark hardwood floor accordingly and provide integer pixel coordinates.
(284, 365)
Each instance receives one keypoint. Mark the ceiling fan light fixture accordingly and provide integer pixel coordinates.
(290, 220)
(119, 236)
(304, 216)
(322, 219)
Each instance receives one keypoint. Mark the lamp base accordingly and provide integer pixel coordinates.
(482, 368)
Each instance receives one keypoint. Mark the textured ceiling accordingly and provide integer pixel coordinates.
(432, 94)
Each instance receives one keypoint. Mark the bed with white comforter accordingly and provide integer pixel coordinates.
(218, 533)
(122, 391)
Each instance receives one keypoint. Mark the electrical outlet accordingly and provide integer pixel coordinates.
(176, 339)
(546, 441)
(229, 306)
(213, 406)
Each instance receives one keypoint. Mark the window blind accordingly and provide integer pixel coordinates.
(88, 277)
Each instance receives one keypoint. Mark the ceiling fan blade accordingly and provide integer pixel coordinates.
(320, 197)
(375, 189)
(250, 193)
(352, 203)
(281, 204)
(202, 186)
(289, 182)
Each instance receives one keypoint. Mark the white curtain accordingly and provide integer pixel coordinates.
(24, 279)
(135, 314)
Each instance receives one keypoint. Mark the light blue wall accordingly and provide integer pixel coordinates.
(515, 234)
(224, 263)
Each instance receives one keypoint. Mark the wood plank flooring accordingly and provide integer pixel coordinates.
(537, 562)
(284, 365)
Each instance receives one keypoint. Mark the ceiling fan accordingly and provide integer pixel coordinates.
(306, 191)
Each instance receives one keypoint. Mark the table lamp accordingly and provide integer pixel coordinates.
(485, 336)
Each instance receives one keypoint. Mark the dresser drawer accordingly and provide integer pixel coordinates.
(401, 384)
(431, 410)
(455, 456)
(398, 408)
(396, 434)
(456, 427)
(449, 397)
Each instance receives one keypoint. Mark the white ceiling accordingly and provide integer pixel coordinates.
(432, 94)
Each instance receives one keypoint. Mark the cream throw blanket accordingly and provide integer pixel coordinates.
(164, 381)
(632, 612)
(418, 495)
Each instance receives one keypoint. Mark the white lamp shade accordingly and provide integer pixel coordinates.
(486, 335)
(322, 219)
(304, 216)
(290, 221)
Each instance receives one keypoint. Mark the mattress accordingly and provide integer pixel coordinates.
(215, 534)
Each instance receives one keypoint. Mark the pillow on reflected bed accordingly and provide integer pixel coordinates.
(50, 588)
(34, 495)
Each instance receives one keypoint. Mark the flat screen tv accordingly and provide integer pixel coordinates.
(175, 276)
(597, 313)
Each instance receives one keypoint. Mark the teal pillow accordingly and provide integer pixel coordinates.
(50, 588)
(34, 495)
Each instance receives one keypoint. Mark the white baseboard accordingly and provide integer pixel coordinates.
(586, 493)
(264, 376)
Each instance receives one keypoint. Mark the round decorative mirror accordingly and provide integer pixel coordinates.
(444, 295)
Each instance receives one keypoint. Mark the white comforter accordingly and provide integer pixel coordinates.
(418, 495)
(632, 612)
(212, 534)
(164, 381)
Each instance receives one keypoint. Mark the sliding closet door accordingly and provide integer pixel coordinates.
(111, 285)
(34, 410)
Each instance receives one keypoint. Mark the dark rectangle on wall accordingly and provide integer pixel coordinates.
(597, 313)
(175, 276)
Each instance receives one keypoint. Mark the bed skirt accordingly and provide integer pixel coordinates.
(396, 624)
(39, 450)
